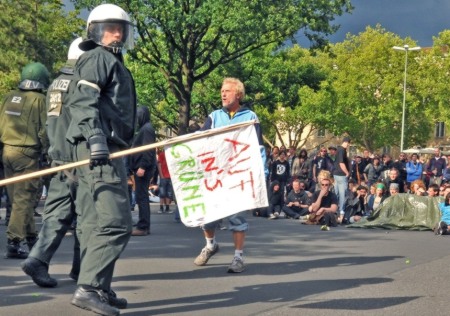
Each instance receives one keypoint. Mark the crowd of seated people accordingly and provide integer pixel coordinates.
(372, 180)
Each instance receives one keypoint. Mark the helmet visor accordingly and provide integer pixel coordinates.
(112, 34)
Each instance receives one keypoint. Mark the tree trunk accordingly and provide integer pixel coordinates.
(184, 116)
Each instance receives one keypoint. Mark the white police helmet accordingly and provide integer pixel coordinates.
(74, 51)
(110, 15)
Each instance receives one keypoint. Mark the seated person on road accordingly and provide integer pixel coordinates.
(356, 207)
(324, 206)
(393, 189)
(377, 199)
(433, 190)
(276, 200)
(297, 201)
(441, 228)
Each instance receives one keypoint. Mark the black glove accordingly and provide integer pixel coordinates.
(99, 151)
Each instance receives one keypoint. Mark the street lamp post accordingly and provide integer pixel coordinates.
(405, 48)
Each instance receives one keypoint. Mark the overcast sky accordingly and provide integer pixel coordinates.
(418, 19)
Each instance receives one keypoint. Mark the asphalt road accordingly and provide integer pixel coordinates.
(292, 269)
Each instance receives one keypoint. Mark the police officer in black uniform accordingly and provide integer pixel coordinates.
(103, 115)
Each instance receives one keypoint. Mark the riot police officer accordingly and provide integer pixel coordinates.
(59, 209)
(103, 113)
(22, 117)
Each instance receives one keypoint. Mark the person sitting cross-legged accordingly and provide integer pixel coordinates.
(297, 201)
(324, 206)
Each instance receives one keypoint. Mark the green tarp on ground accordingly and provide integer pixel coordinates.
(404, 211)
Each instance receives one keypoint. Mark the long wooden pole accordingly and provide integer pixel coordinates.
(171, 141)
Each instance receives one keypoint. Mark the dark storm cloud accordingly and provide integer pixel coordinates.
(418, 19)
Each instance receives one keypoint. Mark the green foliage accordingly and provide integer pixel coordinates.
(287, 83)
(33, 31)
(368, 82)
(434, 73)
(187, 40)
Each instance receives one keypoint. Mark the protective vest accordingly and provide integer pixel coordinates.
(58, 116)
(22, 120)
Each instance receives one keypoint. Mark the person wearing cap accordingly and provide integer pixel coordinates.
(377, 199)
(341, 174)
(24, 139)
(332, 152)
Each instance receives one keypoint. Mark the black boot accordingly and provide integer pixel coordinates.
(31, 241)
(115, 301)
(14, 251)
(93, 299)
(38, 271)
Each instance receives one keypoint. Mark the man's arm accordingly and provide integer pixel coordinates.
(344, 168)
(314, 172)
(332, 209)
(315, 206)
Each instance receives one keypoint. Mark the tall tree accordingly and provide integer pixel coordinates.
(434, 74)
(33, 30)
(368, 80)
(187, 40)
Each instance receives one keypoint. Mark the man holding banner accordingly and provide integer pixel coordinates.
(232, 93)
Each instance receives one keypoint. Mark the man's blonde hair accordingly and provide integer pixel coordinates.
(238, 84)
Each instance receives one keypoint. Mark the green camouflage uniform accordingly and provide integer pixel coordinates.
(22, 121)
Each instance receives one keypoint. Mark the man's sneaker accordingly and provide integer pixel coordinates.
(272, 216)
(38, 271)
(168, 210)
(205, 254)
(236, 266)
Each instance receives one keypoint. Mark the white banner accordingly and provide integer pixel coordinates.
(217, 176)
